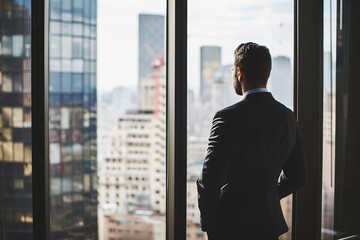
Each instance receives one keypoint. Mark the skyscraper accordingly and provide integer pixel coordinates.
(151, 42)
(72, 119)
(222, 90)
(15, 120)
(210, 59)
(281, 80)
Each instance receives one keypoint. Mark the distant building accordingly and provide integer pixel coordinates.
(73, 119)
(126, 174)
(124, 99)
(149, 90)
(151, 42)
(133, 174)
(210, 59)
(110, 107)
(222, 89)
(15, 121)
(135, 227)
(281, 81)
(193, 231)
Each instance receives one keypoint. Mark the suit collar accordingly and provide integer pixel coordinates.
(258, 96)
(254, 90)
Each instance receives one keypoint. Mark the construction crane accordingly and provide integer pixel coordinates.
(157, 64)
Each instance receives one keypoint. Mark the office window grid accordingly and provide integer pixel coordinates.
(72, 119)
(15, 121)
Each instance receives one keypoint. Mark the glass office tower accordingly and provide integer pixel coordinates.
(72, 119)
(15, 120)
(151, 41)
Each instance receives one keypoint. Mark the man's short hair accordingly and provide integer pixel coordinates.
(255, 61)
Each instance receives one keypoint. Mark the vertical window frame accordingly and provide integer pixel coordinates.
(39, 119)
(176, 74)
(308, 102)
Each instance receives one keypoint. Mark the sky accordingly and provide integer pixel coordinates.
(225, 23)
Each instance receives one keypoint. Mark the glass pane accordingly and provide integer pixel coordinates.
(329, 119)
(15, 120)
(131, 140)
(213, 36)
(107, 146)
(73, 207)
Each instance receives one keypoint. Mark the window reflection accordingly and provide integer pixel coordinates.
(17, 82)
(69, 161)
(8, 151)
(7, 83)
(18, 152)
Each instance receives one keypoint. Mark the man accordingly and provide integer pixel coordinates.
(251, 143)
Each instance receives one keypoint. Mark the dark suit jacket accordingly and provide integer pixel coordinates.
(250, 144)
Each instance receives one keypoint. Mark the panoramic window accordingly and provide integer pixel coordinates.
(213, 36)
(107, 119)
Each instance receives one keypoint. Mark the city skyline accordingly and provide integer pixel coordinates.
(73, 116)
(123, 71)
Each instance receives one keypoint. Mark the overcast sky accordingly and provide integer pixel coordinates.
(224, 23)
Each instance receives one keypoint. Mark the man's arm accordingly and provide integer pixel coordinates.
(215, 169)
(294, 171)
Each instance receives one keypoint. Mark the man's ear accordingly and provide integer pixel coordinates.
(239, 73)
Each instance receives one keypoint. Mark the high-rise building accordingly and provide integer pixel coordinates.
(151, 42)
(72, 119)
(281, 81)
(15, 120)
(210, 59)
(133, 174)
(222, 90)
(125, 178)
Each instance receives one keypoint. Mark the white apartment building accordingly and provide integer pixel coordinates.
(133, 174)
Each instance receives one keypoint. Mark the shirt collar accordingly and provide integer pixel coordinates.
(254, 90)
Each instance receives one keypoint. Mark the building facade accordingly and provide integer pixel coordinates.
(210, 59)
(151, 42)
(15, 120)
(281, 81)
(72, 119)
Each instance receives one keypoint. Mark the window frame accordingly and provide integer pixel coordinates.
(308, 97)
(308, 18)
(39, 119)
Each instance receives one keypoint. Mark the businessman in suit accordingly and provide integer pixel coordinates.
(255, 157)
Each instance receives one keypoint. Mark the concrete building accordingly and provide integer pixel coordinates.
(133, 175)
(129, 176)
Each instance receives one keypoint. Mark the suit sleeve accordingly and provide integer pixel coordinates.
(294, 171)
(215, 168)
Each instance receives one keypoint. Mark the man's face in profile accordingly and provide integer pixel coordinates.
(236, 82)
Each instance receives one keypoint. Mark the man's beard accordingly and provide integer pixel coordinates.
(237, 87)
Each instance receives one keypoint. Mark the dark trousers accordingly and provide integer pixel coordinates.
(218, 235)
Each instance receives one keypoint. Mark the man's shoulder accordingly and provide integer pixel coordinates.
(244, 107)
(232, 108)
